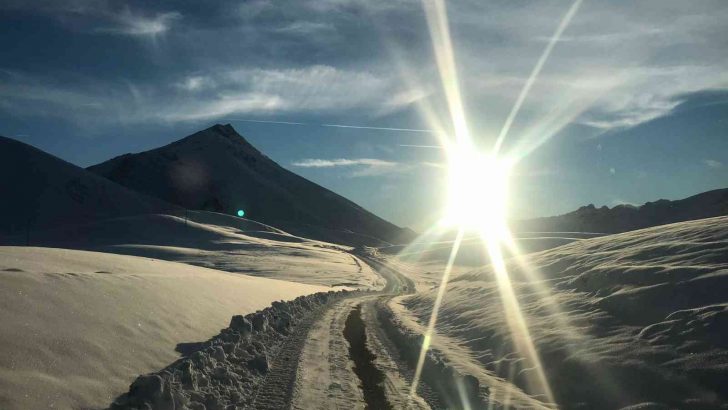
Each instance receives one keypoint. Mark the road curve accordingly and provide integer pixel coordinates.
(321, 351)
(327, 376)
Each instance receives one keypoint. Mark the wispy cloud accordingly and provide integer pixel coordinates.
(194, 83)
(368, 167)
(357, 127)
(621, 64)
(244, 91)
(100, 16)
(127, 23)
(309, 89)
(356, 167)
(711, 163)
(342, 162)
(422, 146)
(618, 64)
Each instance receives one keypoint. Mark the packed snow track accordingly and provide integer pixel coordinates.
(322, 351)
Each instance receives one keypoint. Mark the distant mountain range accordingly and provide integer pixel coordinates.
(622, 218)
(218, 170)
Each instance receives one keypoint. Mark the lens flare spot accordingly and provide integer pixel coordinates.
(241, 213)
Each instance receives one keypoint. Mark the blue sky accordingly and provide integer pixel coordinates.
(631, 106)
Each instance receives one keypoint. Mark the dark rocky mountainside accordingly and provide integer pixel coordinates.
(40, 191)
(218, 170)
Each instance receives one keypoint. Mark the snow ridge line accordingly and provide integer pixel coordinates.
(228, 371)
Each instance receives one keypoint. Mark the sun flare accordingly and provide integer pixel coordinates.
(477, 198)
(477, 191)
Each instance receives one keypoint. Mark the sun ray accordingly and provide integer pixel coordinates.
(477, 185)
(436, 15)
(427, 339)
(535, 72)
(517, 324)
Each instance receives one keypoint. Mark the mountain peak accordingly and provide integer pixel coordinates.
(216, 169)
(221, 136)
(224, 129)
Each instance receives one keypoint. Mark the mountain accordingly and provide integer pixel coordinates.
(40, 191)
(624, 218)
(218, 170)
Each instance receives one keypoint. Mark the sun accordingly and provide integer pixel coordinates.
(477, 197)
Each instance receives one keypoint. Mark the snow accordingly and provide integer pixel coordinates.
(618, 320)
(79, 326)
(214, 241)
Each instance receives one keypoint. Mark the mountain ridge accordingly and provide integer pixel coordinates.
(216, 169)
(48, 191)
(625, 217)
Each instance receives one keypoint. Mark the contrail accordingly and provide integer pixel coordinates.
(536, 70)
(362, 127)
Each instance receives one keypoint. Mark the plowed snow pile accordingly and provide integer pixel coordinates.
(79, 327)
(622, 320)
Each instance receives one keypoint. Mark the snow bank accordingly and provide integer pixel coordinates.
(79, 326)
(228, 370)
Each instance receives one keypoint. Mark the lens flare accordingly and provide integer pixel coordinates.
(478, 196)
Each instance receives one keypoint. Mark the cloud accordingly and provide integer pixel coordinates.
(440, 147)
(618, 64)
(662, 89)
(368, 167)
(127, 23)
(711, 163)
(436, 165)
(220, 93)
(342, 162)
(194, 83)
(317, 88)
(101, 16)
(359, 167)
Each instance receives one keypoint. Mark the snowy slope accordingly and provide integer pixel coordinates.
(218, 170)
(619, 320)
(214, 241)
(40, 190)
(79, 326)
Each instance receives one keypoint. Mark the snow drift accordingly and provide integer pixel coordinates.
(79, 326)
(622, 320)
